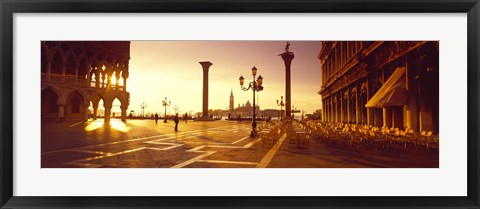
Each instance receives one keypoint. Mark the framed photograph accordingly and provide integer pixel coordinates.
(159, 104)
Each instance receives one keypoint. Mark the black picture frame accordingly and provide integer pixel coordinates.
(10, 7)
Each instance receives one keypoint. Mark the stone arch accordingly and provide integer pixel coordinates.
(75, 107)
(49, 104)
(95, 100)
(123, 98)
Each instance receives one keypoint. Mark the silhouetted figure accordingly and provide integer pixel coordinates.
(186, 117)
(229, 116)
(156, 118)
(239, 118)
(175, 119)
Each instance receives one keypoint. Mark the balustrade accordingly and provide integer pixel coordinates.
(70, 80)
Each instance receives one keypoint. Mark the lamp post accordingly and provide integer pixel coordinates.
(255, 85)
(176, 108)
(166, 103)
(143, 106)
(281, 104)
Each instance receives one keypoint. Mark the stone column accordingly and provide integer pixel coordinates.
(124, 112)
(287, 59)
(387, 117)
(125, 77)
(412, 114)
(86, 112)
(64, 68)
(49, 66)
(95, 109)
(342, 109)
(77, 65)
(357, 108)
(64, 57)
(370, 113)
(324, 111)
(335, 107)
(205, 65)
(97, 76)
(61, 111)
(349, 113)
(108, 110)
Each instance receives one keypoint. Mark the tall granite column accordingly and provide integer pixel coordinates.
(205, 65)
(287, 57)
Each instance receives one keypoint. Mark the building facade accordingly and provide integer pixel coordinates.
(77, 75)
(381, 83)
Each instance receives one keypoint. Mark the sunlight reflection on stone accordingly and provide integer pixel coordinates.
(120, 126)
(94, 125)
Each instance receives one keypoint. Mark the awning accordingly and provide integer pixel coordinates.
(392, 92)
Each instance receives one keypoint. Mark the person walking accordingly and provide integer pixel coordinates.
(175, 119)
(156, 118)
(186, 117)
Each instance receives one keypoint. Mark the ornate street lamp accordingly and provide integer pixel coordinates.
(143, 106)
(176, 108)
(281, 104)
(255, 85)
(166, 103)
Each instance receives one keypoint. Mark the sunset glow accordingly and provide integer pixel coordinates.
(171, 69)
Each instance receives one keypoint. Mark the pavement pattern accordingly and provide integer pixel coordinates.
(208, 144)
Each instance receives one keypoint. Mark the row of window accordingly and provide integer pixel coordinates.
(340, 54)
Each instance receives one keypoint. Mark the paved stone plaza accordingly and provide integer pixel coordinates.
(208, 144)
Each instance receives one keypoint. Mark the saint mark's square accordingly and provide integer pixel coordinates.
(239, 104)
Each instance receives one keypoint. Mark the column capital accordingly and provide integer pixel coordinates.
(206, 65)
(106, 105)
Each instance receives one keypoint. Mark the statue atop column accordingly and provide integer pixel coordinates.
(287, 57)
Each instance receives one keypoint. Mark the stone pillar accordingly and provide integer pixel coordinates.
(117, 78)
(64, 68)
(124, 112)
(412, 114)
(97, 76)
(349, 113)
(86, 104)
(329, 103)
(335, 108)
(370, 111)
(205, 65)
(108, 110)
(342, 109)
(76, 72)
(324, 110)
(49, 67)
(61, 111)
(287, 59)
(357, 108)
(125, 76)
(387, 117)
(64, 57)
(102, 78)
(109, 73)
(95, 109)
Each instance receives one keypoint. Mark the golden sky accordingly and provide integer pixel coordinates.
(160, 69)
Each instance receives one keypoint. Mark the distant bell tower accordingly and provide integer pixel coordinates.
(231, 100)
